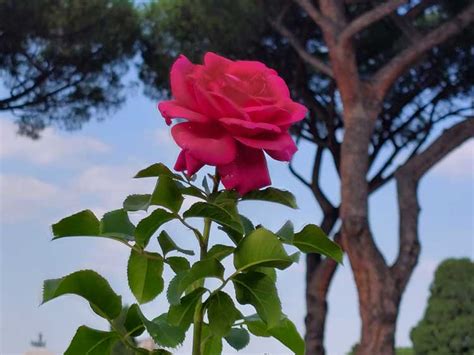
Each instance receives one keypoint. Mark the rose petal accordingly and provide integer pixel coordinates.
(209, 144)
(181, 86)
(248, 68)
(186, 162)
(282, 147)
(216, 63)
(282, 155)
(172, 109)
(281, 113)
(247, 172)
(240, 127)
(215, 105)
(277, 87)
(268, 113)
(297, 113)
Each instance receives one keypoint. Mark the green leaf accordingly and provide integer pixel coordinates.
(236, 237)
(89, 285)
(167, 244)
(178, 263)
(222, 313)
(114, 225)
(162, 332)
(192, 191)
(91, 342)
(210, 344)
(83, 223)
(133, 323)
(312, 239)
(288, 335)
(227, 199)
(216, 213)
(261, 248)
(200, 270)
(137, 202)
(157, 170)
(117, 224)
(247, 223)
(219, 251)
(205, 185)
(149, 225)
(285, 332)
(167, 194)
(256, 326)
(287, 232)
(269, 271)
(181, 315)
(238, 338)
(145, 276)
(272, 194)
(259, 290)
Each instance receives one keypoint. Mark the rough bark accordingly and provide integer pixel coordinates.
(319, 274)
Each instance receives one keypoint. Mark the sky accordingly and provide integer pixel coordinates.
(65, 172)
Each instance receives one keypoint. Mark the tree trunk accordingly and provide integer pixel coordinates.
(319, 273)
(378, 295)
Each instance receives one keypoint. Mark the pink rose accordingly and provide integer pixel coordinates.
(234, 111)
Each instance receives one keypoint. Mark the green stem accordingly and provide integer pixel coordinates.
(197, 330)
(199, 311)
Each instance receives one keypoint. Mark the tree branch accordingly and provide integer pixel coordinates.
(408, 177)
(450, 139)
(368, 18)
(315, 15)
(314, 62)
(388, 74)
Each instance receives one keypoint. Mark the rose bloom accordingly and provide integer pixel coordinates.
(234, 111)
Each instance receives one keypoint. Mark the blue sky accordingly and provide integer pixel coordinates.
(45, 180)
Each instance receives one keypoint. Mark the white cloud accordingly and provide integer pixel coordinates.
(459, 164)
(23, 196)
(52, 147)
(110, 185)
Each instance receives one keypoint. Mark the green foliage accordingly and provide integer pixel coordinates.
(167, 244)
(259, 290)
(220, 251)
(238, 338)
(65, 64)
(222, 313)
(257, 255)
(149, 225)
(312, 239)
(167, 194)
(181, 315)
(261, 248)
(272, 194)
(91, 341)
(89, 285)
(117, 224)
(201, 269)
(83, 223)
(285, 332)
(215, 213)
(137, 202)
(447, 326)
(144, 273)
(162, 332)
